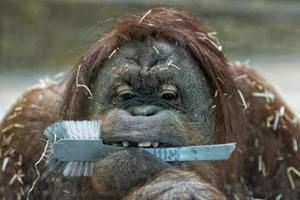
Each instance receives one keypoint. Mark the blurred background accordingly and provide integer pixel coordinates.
(43, 38)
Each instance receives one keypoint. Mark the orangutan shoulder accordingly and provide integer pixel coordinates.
(39, 103)
(262, 100)
(29, 116)
(20, 133)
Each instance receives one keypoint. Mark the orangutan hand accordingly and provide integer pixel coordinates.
(176, 184)
(119, 172)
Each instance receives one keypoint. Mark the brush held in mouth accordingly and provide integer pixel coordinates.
(78, 143)
(95, 150)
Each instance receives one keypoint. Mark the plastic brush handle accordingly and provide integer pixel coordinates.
(194, 153)
(94, 150)
(82, 150)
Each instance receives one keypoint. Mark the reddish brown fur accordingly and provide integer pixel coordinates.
(234, 125)
(275, 146)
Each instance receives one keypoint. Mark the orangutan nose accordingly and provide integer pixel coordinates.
(148, 110)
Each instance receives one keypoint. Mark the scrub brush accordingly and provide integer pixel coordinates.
(75, 146)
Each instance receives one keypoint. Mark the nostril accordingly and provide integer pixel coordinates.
(144, 110)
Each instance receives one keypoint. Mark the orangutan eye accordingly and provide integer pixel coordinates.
(169, 92)
(168, 95)
(126, 95)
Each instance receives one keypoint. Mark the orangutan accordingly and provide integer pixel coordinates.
(159, 79)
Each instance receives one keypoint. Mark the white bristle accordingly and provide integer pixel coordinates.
(86, 130)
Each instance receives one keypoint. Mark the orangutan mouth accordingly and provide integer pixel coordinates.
(140, 140)
(147, 144)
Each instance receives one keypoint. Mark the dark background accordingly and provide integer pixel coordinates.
(39, 38)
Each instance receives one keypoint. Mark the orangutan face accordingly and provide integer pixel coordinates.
(153, 93)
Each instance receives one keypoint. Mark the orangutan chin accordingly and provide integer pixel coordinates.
(158, 80)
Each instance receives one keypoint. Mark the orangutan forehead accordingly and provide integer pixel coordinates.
(148, 53)
(149, 61)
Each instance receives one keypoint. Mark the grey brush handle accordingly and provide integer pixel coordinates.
(94, 150)
(82, 150)
(194, 153)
